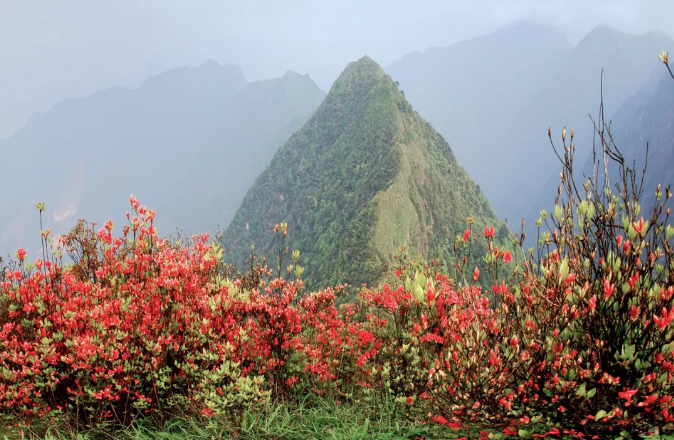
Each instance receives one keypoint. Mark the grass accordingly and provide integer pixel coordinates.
(319, 420)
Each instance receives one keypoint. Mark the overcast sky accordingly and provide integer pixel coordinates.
(51, 50)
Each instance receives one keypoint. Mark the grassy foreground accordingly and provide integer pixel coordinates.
(318, 420)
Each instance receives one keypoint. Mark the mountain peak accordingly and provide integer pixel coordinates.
(364, 66)
(364, 63)
(528, 29)
(606, 34)
(292, 77)
(360, 74)
(227, 77)
(363, 177)
(292, 74)
(210, 63)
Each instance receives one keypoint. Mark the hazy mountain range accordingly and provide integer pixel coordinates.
(646, 119)
(188, 143)
(494, 97)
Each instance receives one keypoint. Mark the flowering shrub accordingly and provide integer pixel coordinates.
(137, 325)
(142, 326)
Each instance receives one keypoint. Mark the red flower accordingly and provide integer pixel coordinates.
(627, 395)
(208, 412)
(21, 254)
(649, 400)
(489, 232)
(667, 294)
(439, 419)
(639, 226)
(665, 320)
(592, 303)
(608, 289)
(134, 201)
(476, 274)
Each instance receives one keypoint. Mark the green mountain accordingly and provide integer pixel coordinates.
(364, 176)
(188, 143)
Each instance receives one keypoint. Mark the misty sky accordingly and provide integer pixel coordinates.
(51, 50)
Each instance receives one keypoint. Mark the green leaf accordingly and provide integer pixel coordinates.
(580, 391)
(628, 351)
(631, 232)
(419, 293)
(638, 365)
(563, 269)
(590, 394)
(600, 415)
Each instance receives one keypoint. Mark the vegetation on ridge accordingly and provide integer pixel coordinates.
(364, 176)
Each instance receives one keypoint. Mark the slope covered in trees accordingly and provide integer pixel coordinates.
(363, 177)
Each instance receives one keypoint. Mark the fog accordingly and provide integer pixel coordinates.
(56, 50)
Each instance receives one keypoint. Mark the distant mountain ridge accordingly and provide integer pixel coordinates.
(363, 177)
(499, 131)
(646, 119)
(188, 142)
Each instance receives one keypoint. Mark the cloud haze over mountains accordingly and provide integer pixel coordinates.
(188, 142)
(57, 50)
